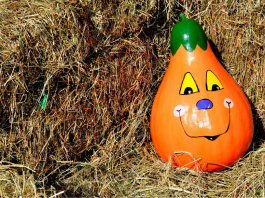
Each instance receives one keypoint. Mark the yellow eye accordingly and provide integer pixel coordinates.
(188, 85)
(212, 82)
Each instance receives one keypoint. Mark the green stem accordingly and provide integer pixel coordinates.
(44, 101)
(182, 16)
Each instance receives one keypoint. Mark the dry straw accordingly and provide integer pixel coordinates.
(100, 64)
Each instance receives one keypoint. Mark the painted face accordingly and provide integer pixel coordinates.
(200, 117)
(188, 87)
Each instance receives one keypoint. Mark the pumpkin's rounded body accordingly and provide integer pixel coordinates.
(200, 118)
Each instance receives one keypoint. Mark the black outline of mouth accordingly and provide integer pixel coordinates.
(211, 138)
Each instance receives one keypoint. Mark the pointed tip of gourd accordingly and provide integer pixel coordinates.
(188, 33)
(182, 16)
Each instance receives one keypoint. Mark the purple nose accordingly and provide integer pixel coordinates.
(204, 104)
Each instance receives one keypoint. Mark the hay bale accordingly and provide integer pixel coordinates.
(100, 64)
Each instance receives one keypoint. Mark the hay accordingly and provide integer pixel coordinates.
(100, 64)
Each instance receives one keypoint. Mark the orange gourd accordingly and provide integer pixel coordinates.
(200, 117)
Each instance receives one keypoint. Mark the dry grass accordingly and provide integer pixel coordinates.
(100, 64)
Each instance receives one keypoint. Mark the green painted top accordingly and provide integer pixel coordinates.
(189, 33)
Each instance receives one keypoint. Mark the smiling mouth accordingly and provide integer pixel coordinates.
(211, 138)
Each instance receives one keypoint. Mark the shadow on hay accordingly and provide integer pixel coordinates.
(259, 129)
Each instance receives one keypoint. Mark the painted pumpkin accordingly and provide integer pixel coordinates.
(200, 117)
